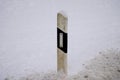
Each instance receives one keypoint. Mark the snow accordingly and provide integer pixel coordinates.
(28, 34)
(105, 66)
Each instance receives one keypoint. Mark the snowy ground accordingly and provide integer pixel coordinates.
(28, 37)
(105, 66)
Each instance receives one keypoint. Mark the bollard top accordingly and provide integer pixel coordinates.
(62, 21)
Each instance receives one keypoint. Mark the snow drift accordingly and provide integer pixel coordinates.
(105, 66)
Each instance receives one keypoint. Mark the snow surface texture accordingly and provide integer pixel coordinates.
(93, 25)
(105, 66)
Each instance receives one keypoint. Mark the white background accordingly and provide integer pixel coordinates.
(28, 33)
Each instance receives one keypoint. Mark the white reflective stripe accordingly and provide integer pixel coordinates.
(61, 40)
